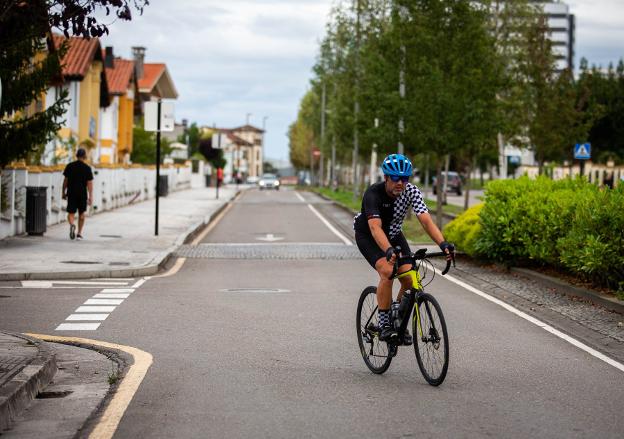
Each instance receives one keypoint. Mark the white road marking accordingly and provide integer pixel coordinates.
(299, 196)
(539, 323)
(332, 228)
(103, 302)
(99, 309)
(270, 237)
(111, 296)
(138, 283)
(50, 283)
(87, 317)
(78, 326)
(117, 290)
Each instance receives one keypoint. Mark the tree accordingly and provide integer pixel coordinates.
(192, 134)
(144, 146)
(28, 68)
(301, 134)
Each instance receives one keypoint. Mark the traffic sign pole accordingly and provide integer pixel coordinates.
(157, 165)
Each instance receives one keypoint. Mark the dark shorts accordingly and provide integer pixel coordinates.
(76, 204)
(371, 251)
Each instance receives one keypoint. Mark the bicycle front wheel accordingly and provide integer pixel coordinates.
(430, 339)
(376, 353)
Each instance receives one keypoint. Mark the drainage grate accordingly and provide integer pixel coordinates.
(254, 290)
(54, 394)
(80, 262)
(119, 263)
(111, 236)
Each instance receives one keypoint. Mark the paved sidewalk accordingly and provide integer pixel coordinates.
(118, 243)
(26, 367)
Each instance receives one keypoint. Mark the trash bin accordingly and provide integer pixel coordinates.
(36, 209)
(207, 180)
(164, 186)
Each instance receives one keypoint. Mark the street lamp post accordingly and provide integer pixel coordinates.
(261, 168)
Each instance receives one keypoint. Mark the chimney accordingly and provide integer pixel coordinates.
(109, 59)
(184, 123)
(138, 53)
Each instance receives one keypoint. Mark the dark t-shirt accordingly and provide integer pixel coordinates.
(78, 174)
(376, 203)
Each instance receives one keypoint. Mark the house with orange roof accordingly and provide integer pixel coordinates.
(84, 78)
(154, 80)
(117, 119)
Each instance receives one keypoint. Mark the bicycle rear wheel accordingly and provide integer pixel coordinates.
(377, 354)
(431, 343)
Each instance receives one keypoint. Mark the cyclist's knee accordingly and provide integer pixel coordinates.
(384, 270)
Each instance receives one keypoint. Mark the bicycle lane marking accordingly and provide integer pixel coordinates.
(335, 231)
(539, 323)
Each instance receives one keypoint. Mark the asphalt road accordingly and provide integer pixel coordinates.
(250, 345)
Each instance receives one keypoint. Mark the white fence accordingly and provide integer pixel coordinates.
(113, 187)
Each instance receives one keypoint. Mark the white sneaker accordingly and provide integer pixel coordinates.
(79, 237)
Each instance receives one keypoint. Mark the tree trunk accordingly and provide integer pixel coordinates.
(469, 169)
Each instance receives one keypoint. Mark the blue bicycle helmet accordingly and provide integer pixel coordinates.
(398, 165)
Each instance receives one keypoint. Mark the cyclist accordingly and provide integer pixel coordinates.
(378, 230)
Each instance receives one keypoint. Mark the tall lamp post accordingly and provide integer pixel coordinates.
(261, 168)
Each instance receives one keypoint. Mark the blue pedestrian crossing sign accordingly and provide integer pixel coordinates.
(582, 151)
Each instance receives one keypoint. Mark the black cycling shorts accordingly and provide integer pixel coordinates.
(76, 204)
(371, 251)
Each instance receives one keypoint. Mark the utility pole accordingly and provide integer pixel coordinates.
(157, 165)
(401, 149)
(322, 134)
(356, 106)
(264, 119)
(374, 158)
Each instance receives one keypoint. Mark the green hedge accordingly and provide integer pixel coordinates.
(464, 229)
(565, 223)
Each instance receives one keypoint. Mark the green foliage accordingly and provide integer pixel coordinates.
(566, 223)
(464, 230)
(192, 135)
(144, 146)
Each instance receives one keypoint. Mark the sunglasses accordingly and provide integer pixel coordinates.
(396, 178)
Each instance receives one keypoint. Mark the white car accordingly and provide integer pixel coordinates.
(269, 181)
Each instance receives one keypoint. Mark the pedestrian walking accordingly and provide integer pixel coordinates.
(78, 191)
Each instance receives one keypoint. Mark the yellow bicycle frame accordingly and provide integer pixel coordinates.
(416, 286)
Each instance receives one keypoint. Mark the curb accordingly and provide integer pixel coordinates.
(159, 261)
(18, 393)
(571, 290)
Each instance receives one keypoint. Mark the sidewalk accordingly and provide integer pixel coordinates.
(119, 243)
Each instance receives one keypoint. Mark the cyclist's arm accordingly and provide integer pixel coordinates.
(432, 230)
(378, 234)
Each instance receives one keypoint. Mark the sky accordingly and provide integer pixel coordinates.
(239, 60)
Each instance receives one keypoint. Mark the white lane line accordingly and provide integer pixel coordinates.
(332, 228)
(87, 317)
(103, 302)
(138, 283)
(99, 309)
(299, 196)
(539, 323)
(72, 284)
(117, 290)
(78, 326)
(111, 296)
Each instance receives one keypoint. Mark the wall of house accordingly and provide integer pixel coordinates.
(90, 109)
(109, 121)
(113, 187)
(126, 122)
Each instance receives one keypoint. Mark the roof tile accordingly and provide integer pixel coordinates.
(119, 76)
(79, 56)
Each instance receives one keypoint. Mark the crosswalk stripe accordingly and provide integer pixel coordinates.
(111, 296)
(103, 302)
(78, 326)
(87, 317)
(100, 309)
(117, 290)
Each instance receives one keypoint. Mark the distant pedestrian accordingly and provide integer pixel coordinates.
(78, 191)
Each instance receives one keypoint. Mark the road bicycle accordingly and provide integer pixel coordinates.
(430, 336)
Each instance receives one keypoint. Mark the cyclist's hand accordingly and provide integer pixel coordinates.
(390, 255)
(449, 249)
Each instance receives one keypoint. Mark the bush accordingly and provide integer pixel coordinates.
(566, 223)
(464, 230)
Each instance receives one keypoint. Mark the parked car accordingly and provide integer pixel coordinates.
(252, 179)
(453, 183)
(269, 181)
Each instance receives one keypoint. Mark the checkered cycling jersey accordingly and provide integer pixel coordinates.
(376, 203)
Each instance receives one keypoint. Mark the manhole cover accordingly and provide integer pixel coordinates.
(111, 236)
(80, 262)
(254, 290)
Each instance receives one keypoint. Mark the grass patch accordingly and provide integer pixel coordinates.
(341, 196)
